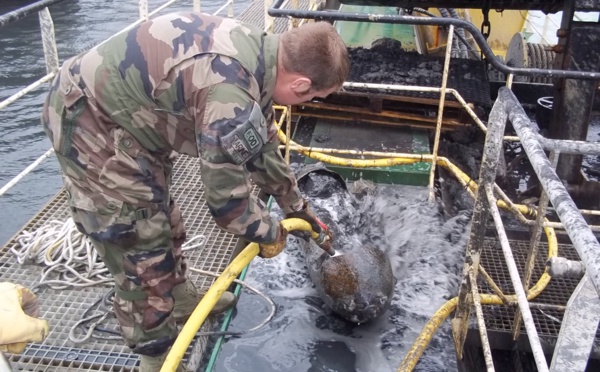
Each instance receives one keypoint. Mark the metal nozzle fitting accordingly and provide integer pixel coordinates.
(324, 241)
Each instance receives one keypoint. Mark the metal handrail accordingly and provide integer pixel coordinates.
(583, 239)
(23, 12)
(277, 10)
(508, 109)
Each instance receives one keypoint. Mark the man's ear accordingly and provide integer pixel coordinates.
(301, 85)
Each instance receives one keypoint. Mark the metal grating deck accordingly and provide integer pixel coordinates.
(500, 318)
(254, 14)
(63, 308)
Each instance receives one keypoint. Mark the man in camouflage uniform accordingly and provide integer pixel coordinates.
(198, 85)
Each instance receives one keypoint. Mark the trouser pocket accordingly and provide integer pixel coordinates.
(138, 248)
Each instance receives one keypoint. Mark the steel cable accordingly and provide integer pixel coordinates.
(104, 312)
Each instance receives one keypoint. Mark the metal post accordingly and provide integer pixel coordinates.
(143, 5)
(578, 329)
(438, 126)
(485, 342)
(197, 7)
(509, 81)
(534, 340)
(49, 41)
(288, 131)
(294, 21)
(573, 99)
(230, 9)
(533, 247)
(487, 175)
(269, 21)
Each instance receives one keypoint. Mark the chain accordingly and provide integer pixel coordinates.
(486, 27)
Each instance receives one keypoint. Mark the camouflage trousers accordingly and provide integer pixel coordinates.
(119, 197)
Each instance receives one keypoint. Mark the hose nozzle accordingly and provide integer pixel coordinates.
(325, 238)
(324, 242)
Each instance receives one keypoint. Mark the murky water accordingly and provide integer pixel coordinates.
(79, 25)
(426, 254)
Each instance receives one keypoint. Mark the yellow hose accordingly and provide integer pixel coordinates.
(213, 294)
(420, 344)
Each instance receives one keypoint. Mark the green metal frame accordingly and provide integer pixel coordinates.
(373, 138)
(362, 34)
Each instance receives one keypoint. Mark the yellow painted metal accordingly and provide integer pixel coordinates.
(412, 358)
(503, 27)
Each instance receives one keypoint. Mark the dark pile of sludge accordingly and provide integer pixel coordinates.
(387, 63)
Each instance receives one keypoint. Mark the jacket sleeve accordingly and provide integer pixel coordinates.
(272, 174)
(226, 136)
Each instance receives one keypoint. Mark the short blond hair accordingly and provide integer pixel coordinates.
(316, 51)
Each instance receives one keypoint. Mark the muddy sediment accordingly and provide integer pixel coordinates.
(382, 64)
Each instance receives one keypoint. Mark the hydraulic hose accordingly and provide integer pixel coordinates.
(213, 294)
(420, 344)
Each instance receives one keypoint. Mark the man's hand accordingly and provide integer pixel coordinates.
(273, 249)
(307, 215)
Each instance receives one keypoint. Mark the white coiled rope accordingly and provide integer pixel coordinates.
(68, 256)
(70, 260)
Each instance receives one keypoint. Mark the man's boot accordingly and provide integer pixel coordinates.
(187, 297)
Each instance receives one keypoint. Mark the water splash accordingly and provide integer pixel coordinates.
(426, 252)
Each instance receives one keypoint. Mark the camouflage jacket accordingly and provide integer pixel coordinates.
(201, 85)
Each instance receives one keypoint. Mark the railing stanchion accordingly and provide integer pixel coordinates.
(48, 41)
(440, 115)
(143, 5)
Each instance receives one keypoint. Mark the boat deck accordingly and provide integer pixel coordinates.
(64, 308)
